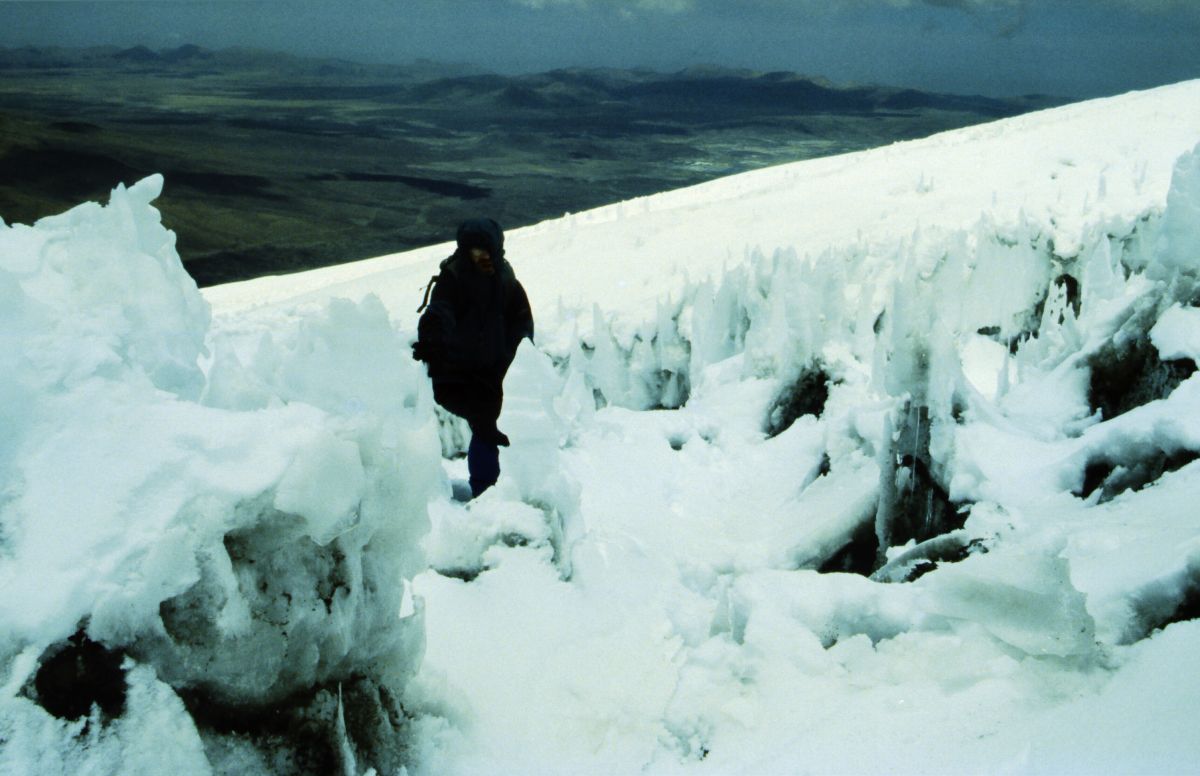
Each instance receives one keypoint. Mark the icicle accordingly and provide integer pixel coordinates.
(345, 750)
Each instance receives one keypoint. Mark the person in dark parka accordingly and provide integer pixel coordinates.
(468, 336)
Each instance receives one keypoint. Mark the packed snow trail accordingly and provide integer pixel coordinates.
(262, 545)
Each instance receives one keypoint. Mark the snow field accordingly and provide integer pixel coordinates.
(699, 530)
(879, 463)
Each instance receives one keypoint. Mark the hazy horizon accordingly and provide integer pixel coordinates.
(1068, 48)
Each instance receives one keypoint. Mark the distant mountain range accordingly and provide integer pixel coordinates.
(696, 89)
(191, 56)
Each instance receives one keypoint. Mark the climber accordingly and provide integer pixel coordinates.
(468, 335)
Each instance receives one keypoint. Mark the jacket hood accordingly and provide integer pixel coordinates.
(482, 233)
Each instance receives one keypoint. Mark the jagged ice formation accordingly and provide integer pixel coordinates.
(883, 462)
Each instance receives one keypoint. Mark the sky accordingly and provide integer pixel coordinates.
(1068, 48)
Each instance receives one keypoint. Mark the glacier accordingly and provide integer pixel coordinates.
(876, 463)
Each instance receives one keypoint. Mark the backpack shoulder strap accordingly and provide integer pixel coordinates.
(428, 290)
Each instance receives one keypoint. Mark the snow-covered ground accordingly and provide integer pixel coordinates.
(877, 463)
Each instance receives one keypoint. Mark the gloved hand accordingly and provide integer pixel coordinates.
(494, 436)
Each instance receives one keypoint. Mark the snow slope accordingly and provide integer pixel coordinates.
(876, 463)
(1069, 171)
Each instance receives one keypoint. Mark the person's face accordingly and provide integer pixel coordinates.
(482, 259)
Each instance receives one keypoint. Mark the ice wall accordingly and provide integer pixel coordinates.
(205, 545)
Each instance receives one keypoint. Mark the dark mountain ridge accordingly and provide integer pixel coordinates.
(425, 80)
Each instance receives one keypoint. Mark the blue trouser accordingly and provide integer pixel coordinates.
(483, 463)
(478, 402)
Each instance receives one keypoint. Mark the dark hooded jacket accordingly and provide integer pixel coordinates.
(470, 332)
